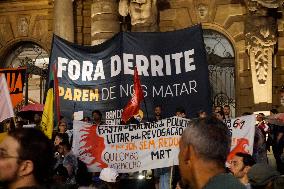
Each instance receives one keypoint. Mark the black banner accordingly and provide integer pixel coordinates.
(172, 68)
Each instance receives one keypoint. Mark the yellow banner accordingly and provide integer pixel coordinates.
(47, 120)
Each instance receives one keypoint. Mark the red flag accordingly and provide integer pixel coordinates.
(132, 107)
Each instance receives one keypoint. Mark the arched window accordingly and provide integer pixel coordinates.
(221, 60)
(35, 59)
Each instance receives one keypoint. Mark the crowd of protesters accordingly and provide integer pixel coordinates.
(29, 160)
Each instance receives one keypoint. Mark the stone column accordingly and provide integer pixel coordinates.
(63, 19)
(105, 21)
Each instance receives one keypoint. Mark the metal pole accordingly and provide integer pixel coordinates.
(171, 176)
(148, 120)
(27, 88)
(40, 87)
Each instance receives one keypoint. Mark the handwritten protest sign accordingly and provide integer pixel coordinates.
(129, 148)
(242, 130)
(15, 78)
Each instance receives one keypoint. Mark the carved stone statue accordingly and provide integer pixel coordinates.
(143, 14)
(260, 37)
(202, 10)
(23, 26)
(260, 42)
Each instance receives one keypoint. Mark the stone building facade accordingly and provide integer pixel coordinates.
(253, 28)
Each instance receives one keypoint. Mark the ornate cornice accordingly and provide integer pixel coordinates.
(260, 7)
(260, 31)
(269, 3)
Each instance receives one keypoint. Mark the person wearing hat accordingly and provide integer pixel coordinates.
(262, 176)
(109, 178)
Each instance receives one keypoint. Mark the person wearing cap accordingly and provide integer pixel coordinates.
(109, 178)
(262, 176)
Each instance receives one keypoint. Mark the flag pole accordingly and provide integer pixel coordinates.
(74, 108)
(146, 110)
(56, 93)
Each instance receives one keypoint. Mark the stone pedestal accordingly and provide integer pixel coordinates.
(63, 19)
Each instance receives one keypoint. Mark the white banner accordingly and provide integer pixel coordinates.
(242, 130)
(5, 102)
(129, 148)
